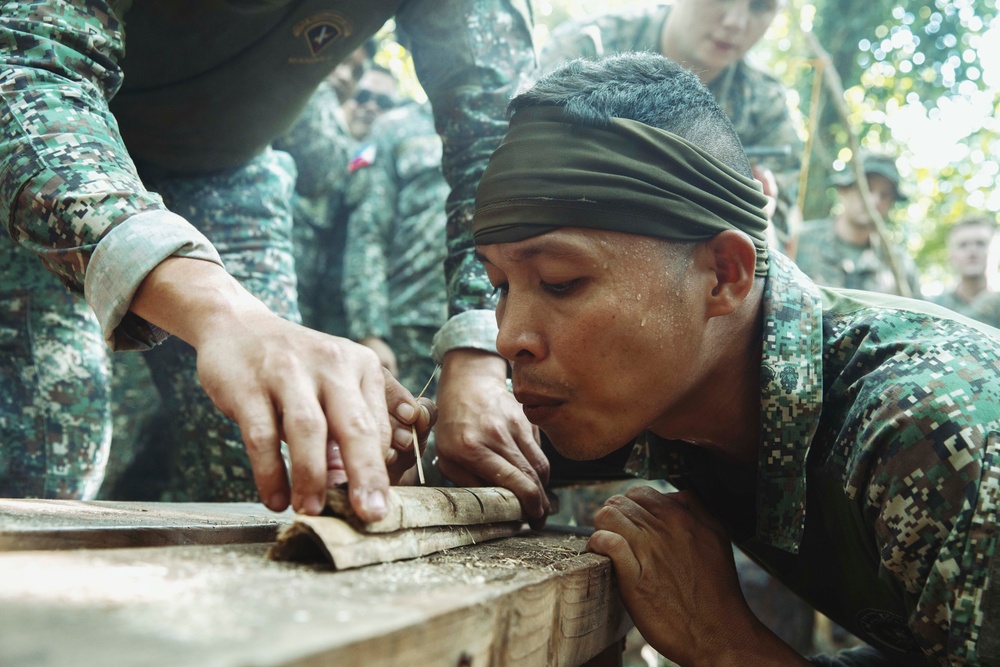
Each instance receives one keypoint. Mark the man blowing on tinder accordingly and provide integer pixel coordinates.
(846, 441)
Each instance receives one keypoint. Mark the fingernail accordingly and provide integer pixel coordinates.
(278, 501)
(403, 437)
(376, 502)
(405, 412)
(391, 457)
(311, 505)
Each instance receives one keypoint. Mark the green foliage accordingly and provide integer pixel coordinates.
(910, 70)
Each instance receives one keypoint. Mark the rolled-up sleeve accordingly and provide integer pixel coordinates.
(69, 191)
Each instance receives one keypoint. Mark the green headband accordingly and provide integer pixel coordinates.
(550, 173)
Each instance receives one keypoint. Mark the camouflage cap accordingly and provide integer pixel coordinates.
(874, 163)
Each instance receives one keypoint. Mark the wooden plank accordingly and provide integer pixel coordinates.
(71, 524)
(422, 506)
(527, 600)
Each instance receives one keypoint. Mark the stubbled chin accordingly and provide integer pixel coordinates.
(577, 447)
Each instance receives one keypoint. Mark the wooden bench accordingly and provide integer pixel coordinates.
(153, 584)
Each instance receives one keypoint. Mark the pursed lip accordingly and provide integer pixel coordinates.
(537, 407)
(723, 45)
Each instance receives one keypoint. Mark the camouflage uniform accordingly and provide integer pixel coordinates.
(54, 402)
(207, 90)
(322, 147)
(875, 495)
(985, 307)
(829, 260)
(755, 101)
(393, 267)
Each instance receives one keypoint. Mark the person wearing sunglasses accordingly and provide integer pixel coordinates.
(375, 94)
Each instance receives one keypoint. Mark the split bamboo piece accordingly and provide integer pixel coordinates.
(322, 538)
(421, 520)
(422, 506)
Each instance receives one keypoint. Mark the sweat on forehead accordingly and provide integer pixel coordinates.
(628, 177)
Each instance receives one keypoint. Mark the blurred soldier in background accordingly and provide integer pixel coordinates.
(969, 242)
(843, 250)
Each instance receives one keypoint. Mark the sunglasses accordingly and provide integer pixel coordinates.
(382, 100)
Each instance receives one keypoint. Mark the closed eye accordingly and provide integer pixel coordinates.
(561, 289)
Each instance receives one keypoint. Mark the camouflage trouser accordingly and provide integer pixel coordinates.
(55, 427)
(319, 237)
(246, 213)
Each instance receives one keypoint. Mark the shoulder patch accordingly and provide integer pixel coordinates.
(322, 30)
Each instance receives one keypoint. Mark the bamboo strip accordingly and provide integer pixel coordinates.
(422, 506)
(324, 538)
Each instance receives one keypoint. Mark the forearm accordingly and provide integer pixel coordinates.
(220, 308)
(69, 191)
(488, 45)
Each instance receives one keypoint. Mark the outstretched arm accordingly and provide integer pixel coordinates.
(70, 194)
(677, 577)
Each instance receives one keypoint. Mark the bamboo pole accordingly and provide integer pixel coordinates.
(329, 539)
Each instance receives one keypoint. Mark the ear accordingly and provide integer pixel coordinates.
(733, 260)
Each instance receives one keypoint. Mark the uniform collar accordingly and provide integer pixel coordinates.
(791, 380)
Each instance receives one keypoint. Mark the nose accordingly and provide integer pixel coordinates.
(519, 338)
(736, 16)
(880, 199)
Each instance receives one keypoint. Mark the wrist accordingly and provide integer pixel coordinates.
(467, 363)
(754, 646)
(195, 300)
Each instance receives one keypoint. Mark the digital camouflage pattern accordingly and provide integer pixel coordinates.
(875, 496)
(755, 101)
(71, 192)
(394, 286)
(322, 147)
(832, 262)
(54, 399)
(985, 307)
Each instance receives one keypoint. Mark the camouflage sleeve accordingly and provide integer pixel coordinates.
(932, 426)
(488, 48)
(69, 191)
(367, 250)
